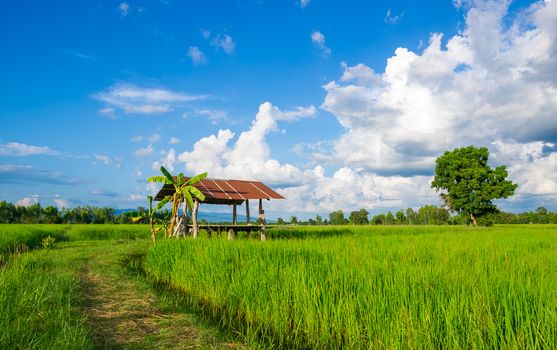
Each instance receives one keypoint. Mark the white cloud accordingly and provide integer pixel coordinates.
(206, 34)
(318, 40)
(174, 140)
(103, 193)
(108, 112)
(392, 18)
(21, 150)
(168, 159)
(533, 169)
(28, 201)
(137, 173)
(304, 3)
(124, 9)
(223, 42)
(137, 100)
(61, 203)
(136, 139)
(249, 157)
(144, 151)
(153, 138)
(137, 197)
(107, 160)
(307, 190)
(492, 81)
(196, 55)
(214, 115)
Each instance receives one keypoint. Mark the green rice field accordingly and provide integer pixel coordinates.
(354, 287)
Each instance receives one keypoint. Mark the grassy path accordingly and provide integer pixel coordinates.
(83, 295)
(126, 313)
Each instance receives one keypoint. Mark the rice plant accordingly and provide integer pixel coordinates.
(449, 287)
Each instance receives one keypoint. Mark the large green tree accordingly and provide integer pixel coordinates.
(469, 184)
(359, 217)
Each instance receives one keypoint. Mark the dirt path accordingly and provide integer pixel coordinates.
(126, 314)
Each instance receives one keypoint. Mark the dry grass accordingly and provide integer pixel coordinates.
(124, 315)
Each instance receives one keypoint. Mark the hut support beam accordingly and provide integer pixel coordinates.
(262, 220)
(247, 212)
(234, 221)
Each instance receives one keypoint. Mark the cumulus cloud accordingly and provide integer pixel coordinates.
(308, 190)
(533, 166)
(223, 42)
(153, 138)
(138, 100)
(168, 159)
(124, 9)
(174, 140)
(493, 81)
(144, 151)
(28, 201)
(304, 3)
(318, 40)
(61, 203)
(249, 157)
(17, 149)
(196, 55)
(107, 160)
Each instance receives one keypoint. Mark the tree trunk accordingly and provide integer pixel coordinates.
(152, 229)
(474, 219)
(194, 218)
(174, 216)
(185, 217)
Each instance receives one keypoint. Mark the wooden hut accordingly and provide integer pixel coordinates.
(227, 192)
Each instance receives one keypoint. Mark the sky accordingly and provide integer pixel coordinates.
(334, 104)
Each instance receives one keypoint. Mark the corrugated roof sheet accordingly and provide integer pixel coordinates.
(218, 191)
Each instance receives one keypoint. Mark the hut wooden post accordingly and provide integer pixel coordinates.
(234, 214)
(262, 219)
(230, 234)
(247, 213)
(194, 218)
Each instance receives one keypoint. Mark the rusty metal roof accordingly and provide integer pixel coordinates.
(218, 191)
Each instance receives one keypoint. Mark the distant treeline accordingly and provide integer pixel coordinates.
(37, 214)
(426, 215)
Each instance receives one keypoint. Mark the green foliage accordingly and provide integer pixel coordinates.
(470, 183)
(359, 217)
(48, 242)
(383, 287)
(19, 238)
(184, 192)
(337, 218)
(40, 295)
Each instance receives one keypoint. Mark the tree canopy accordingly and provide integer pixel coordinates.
(469, 184)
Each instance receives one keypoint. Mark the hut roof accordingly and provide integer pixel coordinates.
(219, 191)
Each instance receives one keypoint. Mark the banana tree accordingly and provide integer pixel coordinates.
(150, 216)
(184, 192)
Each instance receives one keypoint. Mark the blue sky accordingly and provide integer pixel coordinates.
(336, 104)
